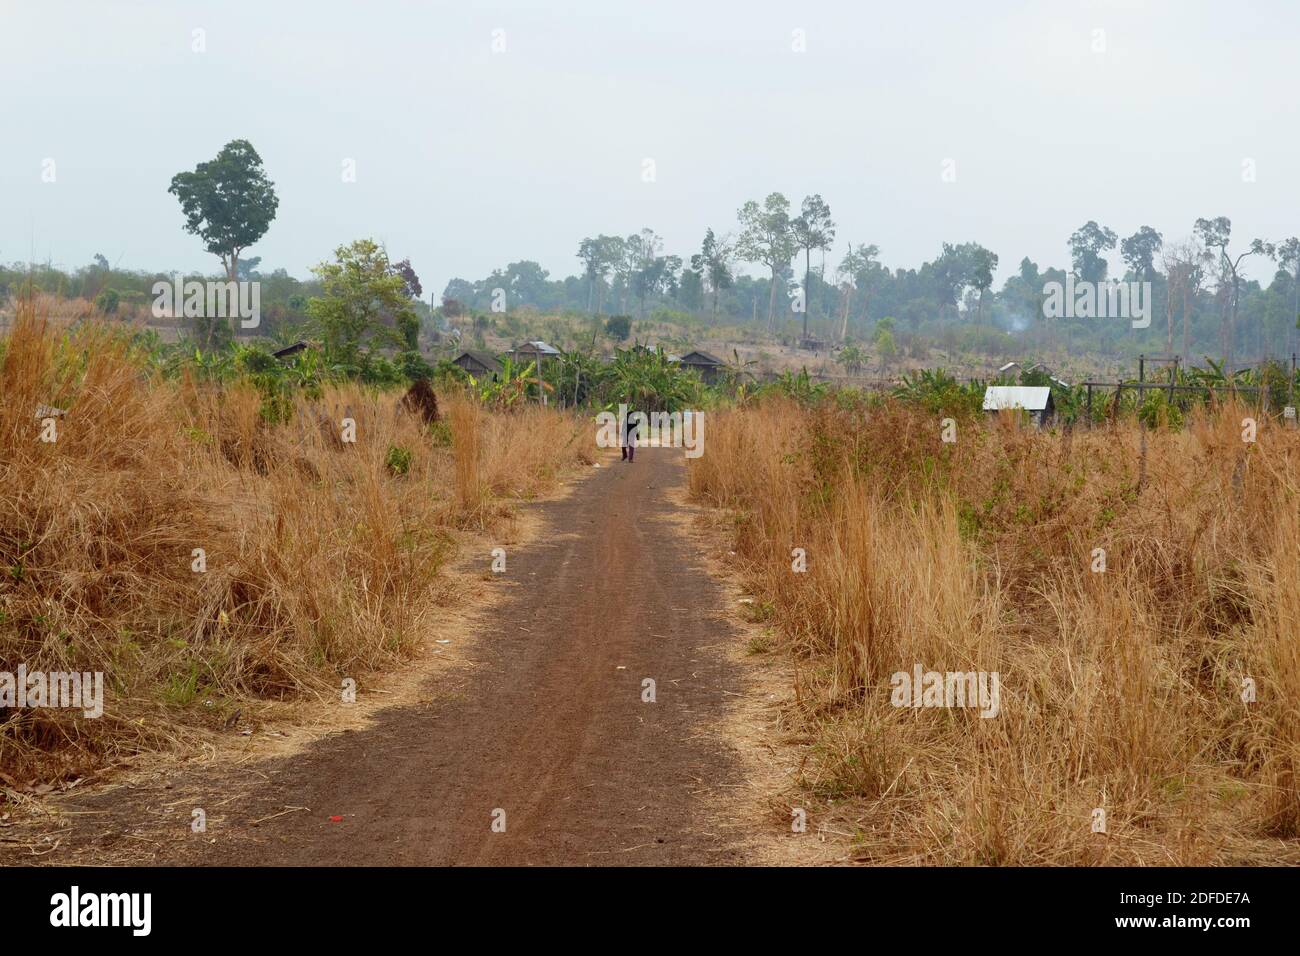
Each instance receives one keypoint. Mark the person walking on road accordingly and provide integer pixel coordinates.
(630, 432)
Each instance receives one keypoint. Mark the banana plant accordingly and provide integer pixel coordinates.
(738, 373)
(513, 384)
(575, 376)
(649, 381)
(213, 365)
(852, 358)
(800, 387)
(938, 389)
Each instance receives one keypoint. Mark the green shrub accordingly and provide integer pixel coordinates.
(107, 301)
(618, 327)
(398, 460)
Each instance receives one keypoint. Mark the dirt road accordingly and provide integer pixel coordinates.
(548, 725)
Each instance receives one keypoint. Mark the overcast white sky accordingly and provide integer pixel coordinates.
(467, 159)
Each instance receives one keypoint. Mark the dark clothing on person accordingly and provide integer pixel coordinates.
(630, 433)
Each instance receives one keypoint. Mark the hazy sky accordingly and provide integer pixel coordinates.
(467, 159)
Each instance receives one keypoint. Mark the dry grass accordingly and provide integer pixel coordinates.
(463, 417)
(321, 557)
(57, 308)
(1120, 690)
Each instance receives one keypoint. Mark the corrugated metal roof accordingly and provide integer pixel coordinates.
(1032, 398)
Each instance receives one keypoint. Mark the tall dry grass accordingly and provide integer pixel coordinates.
(322, 555)
(1121, 691)
(463, 418)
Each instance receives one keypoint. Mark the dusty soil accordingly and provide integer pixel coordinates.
(540, 715)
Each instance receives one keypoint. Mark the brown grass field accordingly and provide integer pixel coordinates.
(321, 558)
(1121, 691)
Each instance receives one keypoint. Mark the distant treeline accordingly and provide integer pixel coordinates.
(1214, 310)
(1199, 303)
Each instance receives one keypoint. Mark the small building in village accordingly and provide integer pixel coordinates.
(1036, 400)
(538, 351)
(1012, 369)
(478, 363)
(289, 351)
(669, 356)
(709, 366)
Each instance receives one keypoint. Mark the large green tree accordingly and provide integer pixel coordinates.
(1288, 257)
(952, 272)
(812, 229)
(1139, 252)
(859, 272)
(713, 263)
(599, 256)
(983, 263)
(1088, 245)
(365, 307)
(766, 237)
(1215, 234)
(228, 202)
(645, 267)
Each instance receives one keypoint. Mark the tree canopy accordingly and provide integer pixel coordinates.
(228, 202)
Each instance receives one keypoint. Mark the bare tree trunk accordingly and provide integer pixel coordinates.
(1232, 325)
(1169, 318)
(844, 324)
(821, 273)
(771, 304)
(807, 292)
(1295, 309)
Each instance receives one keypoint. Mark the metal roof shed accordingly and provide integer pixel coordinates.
(537, 351)
(1037, 400)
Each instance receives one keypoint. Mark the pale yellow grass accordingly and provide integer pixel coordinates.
(1121, 691)
(201, 557)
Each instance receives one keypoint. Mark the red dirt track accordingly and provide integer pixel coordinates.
(546, 723)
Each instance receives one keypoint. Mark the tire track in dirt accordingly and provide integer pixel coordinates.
(548, 724)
